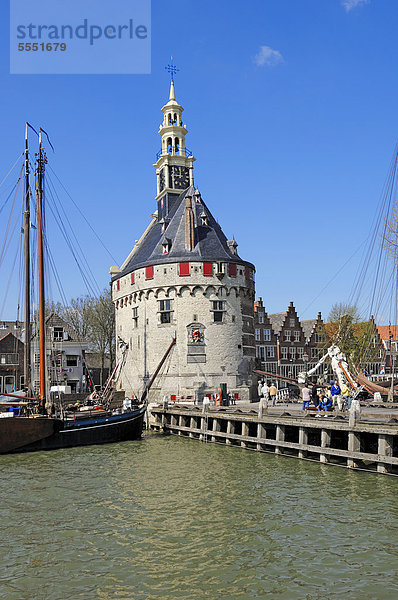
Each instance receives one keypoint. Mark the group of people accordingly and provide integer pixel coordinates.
(328, 398)
(267, 393)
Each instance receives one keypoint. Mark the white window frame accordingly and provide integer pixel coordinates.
(287, 335)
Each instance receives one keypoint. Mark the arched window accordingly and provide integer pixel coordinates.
(169, 146)
(170, 119)
(177, 145)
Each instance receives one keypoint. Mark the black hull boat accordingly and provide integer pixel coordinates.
(84, 431)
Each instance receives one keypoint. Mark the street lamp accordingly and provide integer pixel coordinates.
(305, 359)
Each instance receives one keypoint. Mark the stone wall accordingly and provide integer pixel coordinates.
(225, 351)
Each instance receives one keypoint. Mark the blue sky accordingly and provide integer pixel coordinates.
(291, 112)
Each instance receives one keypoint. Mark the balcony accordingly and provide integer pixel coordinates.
(173, 152)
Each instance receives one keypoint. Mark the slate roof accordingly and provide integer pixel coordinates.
(210, 242)
(14, 327)
(53, 320)
(308, 327)
(276, 320)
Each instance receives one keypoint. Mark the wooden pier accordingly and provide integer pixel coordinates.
(367, 444)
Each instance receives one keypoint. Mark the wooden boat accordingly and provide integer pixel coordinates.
(28, 434)
(39, 424)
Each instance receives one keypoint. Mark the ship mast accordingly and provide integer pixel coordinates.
(27, 371)
(42, 326)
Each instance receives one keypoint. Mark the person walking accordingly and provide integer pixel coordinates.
(259, 389)
(306, 394)
(273, 391)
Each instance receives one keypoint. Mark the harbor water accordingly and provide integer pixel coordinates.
(169, 518)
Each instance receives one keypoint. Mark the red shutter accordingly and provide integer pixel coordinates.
(132, 278)
(207, 268)
(118, 285)
(184, 268)
(247, 273)
(232, 269)
(149, 273)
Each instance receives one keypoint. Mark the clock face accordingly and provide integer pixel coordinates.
(161, 180)
(179, 177)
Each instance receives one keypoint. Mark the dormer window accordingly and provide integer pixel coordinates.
(232, 245)
(59, 334)
(163, 223)
(197, 197)
(166, 245)
(204, 220)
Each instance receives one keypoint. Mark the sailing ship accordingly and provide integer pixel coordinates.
(28, 423)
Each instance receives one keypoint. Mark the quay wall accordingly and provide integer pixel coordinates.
(365, 444)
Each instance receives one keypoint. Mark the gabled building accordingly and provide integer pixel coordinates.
(14, 327)
(185, 280)
(65, 356)
(284, 344)
(11, 363)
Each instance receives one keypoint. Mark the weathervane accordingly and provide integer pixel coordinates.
(172, 69)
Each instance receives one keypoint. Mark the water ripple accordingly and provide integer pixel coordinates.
(166, 518)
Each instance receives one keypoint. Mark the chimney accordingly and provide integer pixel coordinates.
(189, 224)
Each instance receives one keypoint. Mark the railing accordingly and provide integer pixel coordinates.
(174, 152)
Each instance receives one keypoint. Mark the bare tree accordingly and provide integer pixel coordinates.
(340, 309)
(100, 316)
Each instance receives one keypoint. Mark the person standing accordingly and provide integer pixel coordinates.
(306, 394)
(265, 393)
(259, 389)
(273, 391)
(335, 392)
(314, 396)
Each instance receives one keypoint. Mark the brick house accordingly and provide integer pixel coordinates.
(283, 341)
(11, 363)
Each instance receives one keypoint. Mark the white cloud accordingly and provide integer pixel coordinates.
(268, 56)
(350, 4)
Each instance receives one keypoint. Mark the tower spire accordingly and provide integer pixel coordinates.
(172, 95)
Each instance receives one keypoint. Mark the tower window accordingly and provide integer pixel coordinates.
(165, 311)
(232, 270)
(184, 268)
(204, 220)
(207, 268)
(177, 145)
(135, 316)
(218, 309)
